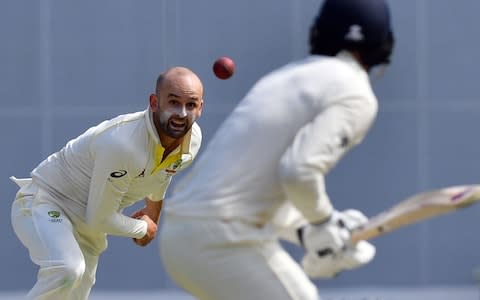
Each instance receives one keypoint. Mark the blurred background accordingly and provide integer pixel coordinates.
(67, 65)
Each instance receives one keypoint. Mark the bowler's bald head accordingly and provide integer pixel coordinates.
(180, 77)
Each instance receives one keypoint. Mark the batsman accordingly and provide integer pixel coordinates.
(262, 176)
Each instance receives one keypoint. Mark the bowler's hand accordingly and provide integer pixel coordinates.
(151, 230)
(138, 214)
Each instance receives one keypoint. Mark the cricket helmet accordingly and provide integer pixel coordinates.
(358, 25)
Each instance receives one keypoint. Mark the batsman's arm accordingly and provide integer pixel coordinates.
(317, 148)
(287, 221)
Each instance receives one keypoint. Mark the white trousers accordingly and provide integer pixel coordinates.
(66, 266)
(216, 260)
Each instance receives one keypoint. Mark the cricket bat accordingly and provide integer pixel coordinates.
(418, 207)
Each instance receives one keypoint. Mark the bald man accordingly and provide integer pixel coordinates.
(75, 197)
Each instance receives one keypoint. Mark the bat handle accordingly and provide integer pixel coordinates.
(363, 233)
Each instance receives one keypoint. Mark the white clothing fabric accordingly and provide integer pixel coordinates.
(66, 254)
(275, 148)
(220, 260)
(76, 196)
(111, 166)
(280, 141)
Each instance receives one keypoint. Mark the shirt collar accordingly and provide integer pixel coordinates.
(348, 57)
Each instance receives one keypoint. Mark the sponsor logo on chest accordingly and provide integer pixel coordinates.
(172, 169)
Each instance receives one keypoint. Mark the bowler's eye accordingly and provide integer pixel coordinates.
(173, 102)
(191, 105)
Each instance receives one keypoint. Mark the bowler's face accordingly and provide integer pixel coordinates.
(179, 105)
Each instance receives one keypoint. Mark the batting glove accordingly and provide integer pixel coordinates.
(328, 247)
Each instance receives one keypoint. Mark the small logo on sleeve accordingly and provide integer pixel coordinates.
(118, 174)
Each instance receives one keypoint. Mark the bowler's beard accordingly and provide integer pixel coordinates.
(174, 126)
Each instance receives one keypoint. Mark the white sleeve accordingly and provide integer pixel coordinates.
(317, 147)
(109, 183)
(287, 220)
(161, 191)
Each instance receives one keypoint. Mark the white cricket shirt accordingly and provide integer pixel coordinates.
(110, 167)
(280, 141)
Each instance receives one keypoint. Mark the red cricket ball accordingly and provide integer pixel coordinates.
(224, 67)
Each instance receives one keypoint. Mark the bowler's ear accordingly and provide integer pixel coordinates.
(153, 100)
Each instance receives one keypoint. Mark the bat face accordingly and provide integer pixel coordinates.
(417, 208)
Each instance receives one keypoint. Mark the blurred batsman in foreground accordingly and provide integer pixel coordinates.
(75, 197)
(262, 176)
